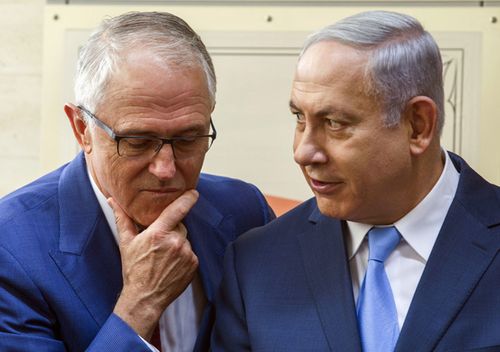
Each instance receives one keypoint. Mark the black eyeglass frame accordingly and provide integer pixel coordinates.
(109, 131)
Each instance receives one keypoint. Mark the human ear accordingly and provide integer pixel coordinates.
(421, 118)
(79, 127)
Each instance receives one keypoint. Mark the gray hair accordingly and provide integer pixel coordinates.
(163, 34)
(404, 58)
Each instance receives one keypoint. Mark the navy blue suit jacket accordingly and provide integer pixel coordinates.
(287, 285)
(60, 270)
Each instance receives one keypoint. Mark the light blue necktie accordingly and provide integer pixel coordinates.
(377, 315)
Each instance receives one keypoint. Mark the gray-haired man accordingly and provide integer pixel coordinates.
(399, 248)
(69, 279)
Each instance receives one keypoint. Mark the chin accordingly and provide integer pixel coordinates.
(147, 210)
(145, 215)
(145, 220)
(329, 208)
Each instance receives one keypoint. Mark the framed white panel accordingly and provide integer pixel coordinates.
(254, 52)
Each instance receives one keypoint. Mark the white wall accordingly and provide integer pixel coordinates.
(21, 23)
(34, 133)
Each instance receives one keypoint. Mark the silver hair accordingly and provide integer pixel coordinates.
(165, 35)
(404, 59)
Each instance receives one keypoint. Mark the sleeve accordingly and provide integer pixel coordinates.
(116, 335)
(27, 322)
(230, 330)
(267, 212)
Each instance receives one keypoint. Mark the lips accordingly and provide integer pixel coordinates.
(163, 190)
(324, 187)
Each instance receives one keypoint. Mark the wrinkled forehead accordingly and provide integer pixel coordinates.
(146, 76)
(333, 77)
(330, 65)
(331, 58)
(138, 69)
(143, 59)
(147, 97)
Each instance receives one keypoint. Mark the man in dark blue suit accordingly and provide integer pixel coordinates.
(73, 280)
(399, 248)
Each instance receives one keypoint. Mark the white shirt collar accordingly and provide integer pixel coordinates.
(421, 226)
(106, 208)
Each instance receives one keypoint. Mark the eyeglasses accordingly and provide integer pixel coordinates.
(183, 147)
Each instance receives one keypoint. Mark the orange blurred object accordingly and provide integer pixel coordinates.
(281, 205)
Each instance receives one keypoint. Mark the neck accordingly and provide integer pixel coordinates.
(426, 173)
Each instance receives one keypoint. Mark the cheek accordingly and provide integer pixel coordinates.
(304, 172)
(358, 166)
(190, 171)
(124, 176)
(383, 171)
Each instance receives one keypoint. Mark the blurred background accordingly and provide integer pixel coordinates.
(254, 45)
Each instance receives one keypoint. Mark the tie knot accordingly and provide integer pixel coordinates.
(381, 242)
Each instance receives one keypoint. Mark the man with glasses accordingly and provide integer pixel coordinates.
(121, 249)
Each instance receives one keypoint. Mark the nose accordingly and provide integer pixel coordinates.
(163, 163)
(308, 149)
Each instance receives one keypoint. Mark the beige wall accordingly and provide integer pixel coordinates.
(28, 124)
(21, 24)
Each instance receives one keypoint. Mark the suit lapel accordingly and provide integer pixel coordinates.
(208, 243)
(206, 227)
(465, 247)
(328, 275)
(88, 256)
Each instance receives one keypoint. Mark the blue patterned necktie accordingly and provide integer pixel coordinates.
(377, 315)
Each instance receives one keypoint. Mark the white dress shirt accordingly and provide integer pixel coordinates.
(419, 230)
(180, 322)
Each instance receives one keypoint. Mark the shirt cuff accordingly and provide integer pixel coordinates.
(151, 347)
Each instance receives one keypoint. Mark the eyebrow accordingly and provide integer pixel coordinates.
(198, 129)
(326, 111)
(292, 106)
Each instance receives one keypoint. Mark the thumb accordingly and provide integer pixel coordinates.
(125, 226)
(173, 214)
